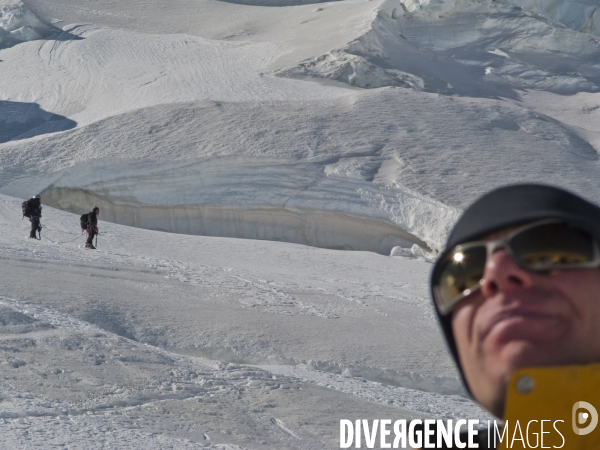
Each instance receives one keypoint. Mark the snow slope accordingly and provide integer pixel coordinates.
(363, 125)
(91, 354)
(254, 155)
(217, 161)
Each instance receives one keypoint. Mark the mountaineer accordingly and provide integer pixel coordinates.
(32, 209)
(89, 223)
(517, 293)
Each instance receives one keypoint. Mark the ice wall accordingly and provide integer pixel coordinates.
(309, 227)
(254, 198)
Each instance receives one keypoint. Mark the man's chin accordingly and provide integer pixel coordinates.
(517, 355)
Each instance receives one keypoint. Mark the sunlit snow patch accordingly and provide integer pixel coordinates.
(22, 120)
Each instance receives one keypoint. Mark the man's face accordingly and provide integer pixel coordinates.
(524, 319)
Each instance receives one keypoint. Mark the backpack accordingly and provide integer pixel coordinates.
(26, 208)
(83, 221)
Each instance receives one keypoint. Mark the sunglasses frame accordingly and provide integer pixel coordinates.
(492, 246)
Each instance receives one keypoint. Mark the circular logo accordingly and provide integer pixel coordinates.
(579, 418)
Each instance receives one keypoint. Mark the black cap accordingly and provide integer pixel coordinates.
(520, 204)
(511, 206)
(95, 209)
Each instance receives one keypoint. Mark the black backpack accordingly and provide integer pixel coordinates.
(31, 207)
(83, 221)
(26, 208)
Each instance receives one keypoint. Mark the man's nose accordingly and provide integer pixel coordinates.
(502, 273)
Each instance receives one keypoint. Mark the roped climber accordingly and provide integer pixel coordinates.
(89, 223)
(32, 209)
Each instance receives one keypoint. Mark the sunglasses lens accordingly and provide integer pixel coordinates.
(552, 246)
(459, 273)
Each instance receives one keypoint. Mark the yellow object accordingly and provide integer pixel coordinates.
(552, 407)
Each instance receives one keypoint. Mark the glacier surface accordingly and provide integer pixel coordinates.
(355, 124)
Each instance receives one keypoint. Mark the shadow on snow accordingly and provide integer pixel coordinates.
(24, 120)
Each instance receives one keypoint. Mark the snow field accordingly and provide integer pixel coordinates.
(98, 73)
(92, 354)
(294, 291)
(355, 124)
